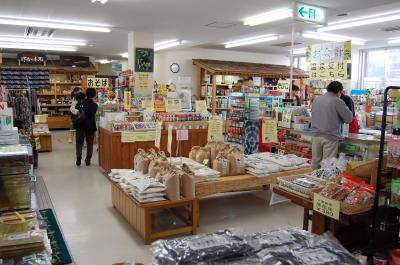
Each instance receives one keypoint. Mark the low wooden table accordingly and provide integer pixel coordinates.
(240, 183)
(46, 144)
(140, 215)
(321, 223)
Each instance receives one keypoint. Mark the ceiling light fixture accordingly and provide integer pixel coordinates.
(11, 45)
(394, 41)
(101, 1)
(54, 24)
(124, 55)
(249, 41)
(166, 44)
(332, 37)
(268, 17)
(299, 51)
(47, 41)
(357, 22)
(104, 61)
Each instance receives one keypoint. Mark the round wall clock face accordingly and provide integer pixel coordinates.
(175, 68)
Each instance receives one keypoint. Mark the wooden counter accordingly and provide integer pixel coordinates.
(114, 154)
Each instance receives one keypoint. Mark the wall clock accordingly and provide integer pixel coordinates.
(175, 68)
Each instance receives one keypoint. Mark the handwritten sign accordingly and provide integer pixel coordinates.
(147, 104)
(201, 106)
(215, 129)
(132, 137)
(327, 207)
(283, 86)
(143, 83)
(94, 82)
(173, 105)
(157, 141)
(269, 131)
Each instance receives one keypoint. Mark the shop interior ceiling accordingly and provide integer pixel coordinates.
(205, 23)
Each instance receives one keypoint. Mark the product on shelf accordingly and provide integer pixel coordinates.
(395, 189)
(331, 167)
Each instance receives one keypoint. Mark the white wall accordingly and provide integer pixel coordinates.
(163, 60)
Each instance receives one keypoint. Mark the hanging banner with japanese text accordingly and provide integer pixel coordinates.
(94, 82)
(330, 60)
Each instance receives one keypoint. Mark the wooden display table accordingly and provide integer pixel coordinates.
(59, 122)
(141, 216)
(114, 154)
(241, 183)
(46, 144)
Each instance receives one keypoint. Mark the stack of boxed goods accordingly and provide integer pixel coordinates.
(279, 246)
(224, 158)
(15, 190)
(263, 164)
(8, 137)
(22, 241)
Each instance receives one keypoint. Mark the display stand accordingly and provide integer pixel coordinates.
(141, 215)
(379, 225)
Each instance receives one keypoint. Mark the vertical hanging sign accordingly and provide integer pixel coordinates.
(127, 99)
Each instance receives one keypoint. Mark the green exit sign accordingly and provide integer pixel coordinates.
(310, 13)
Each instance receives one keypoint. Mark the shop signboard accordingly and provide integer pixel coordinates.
(215, 129)
(310, 13)
(269, 131)
(283, 85)
(31, 58)
(78, 61)
(132, 137)
(93, 82)
(326, 206)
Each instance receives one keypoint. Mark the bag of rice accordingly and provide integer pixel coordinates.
(138, 159)
(193, 152)
(171, 182)
(236, 162)
(187, 182)
(221, 164)
(203, 156)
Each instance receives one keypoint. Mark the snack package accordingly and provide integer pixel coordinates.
(203, 156)
(395, 193)
(336, 191)
(193, 152)
(360, 196)
(393, 148)
(221, 164)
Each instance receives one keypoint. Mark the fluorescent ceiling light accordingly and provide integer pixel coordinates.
(299, 51)
(374, 19)
(332, 37)
(166, 44)
(248, 41)
(101, 1)
(124, 55)
(10, 45)
(54, 24)
(270, 16)
(104, 61)
(48, 41)
(394, 41)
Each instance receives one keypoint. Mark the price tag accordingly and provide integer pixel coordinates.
(327, 207)
(201, 106)
(169, 144)
(157, 141)
(131, 137)
(182, 135)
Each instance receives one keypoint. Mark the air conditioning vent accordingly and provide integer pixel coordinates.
(39, 32)
(285, 44)
(220, 25)
(392, 29)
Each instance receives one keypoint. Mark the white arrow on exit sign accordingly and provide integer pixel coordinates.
(309, 13)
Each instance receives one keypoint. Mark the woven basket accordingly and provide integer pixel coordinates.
(286, 183)
(354, 209)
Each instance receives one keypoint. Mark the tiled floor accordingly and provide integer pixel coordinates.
(97, 234)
